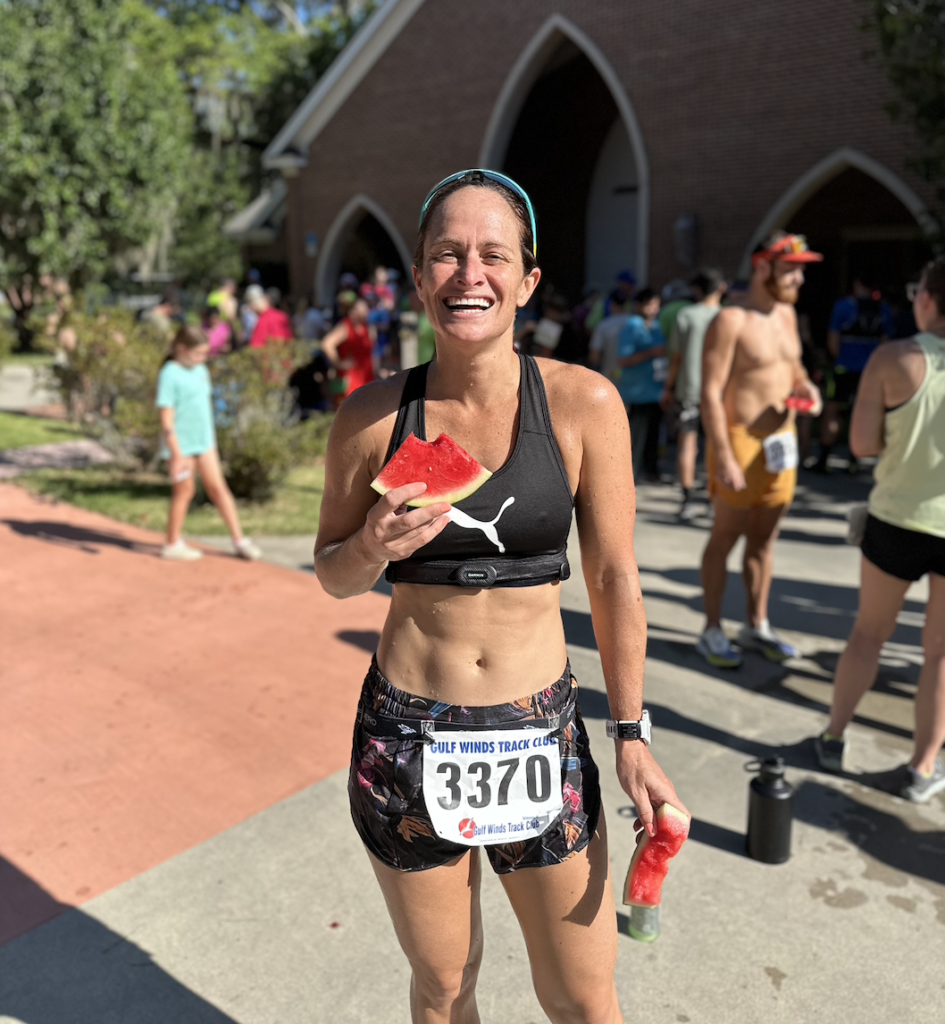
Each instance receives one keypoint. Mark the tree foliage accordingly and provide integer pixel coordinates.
(911, 36)
(95, 131)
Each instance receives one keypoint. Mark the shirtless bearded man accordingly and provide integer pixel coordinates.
(751, 364)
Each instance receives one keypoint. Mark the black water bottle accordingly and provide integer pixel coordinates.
(770, 811)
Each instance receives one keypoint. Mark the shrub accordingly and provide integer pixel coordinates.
(259, 434)
(109, 382)
(7, 340)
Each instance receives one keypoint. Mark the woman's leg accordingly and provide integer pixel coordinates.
(930, 697)
(438, 922)
(881, 597)
(182, 494)
(568, 918)
(211, 474)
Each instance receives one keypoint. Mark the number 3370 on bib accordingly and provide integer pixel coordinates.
(483, 787)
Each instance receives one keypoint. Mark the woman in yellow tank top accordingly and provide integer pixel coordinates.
(899, 415)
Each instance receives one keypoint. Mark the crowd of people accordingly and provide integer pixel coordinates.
(478, 623)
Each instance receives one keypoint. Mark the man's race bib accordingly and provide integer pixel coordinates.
(660, 369)
(487, 786)
(781, 451)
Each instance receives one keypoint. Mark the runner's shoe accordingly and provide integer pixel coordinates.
(767, 642)
(829, 751)
(246, 548)
(687, 512)
(180, 552)
(714, 646)
(921, 788)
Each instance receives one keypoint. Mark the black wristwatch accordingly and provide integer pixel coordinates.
(630, 730)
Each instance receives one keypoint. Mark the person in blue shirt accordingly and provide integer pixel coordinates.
(858, 323)
(641, 353)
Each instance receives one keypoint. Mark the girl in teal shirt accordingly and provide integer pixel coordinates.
(190, 444)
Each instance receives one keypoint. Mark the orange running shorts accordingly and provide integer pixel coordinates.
(762, 489)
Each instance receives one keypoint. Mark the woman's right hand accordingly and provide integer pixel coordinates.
(177, 469)
(393, 531)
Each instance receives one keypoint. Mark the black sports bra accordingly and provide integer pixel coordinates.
(513, 531)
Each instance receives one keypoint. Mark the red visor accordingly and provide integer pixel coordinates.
(790, 249)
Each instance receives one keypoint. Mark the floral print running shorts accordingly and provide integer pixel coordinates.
(385, 783)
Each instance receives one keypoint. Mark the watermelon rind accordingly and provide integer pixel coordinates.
(674, 826)
(449, 472)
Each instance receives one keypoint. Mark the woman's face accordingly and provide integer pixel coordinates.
(472, 279)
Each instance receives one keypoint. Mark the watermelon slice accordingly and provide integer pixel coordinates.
(651, 858)
(450, 473)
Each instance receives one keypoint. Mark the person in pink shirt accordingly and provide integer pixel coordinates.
(218, 331)
(273, 324)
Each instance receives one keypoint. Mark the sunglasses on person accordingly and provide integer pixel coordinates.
(913, 289)
(475, 176)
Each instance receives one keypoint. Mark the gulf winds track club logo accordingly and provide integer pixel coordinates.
(460, 518)
(467, 828)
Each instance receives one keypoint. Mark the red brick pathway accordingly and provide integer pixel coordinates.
(147, 706)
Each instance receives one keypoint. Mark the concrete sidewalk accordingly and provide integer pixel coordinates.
(277, 918)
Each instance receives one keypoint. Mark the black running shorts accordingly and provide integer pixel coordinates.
(905, 554)
(385, 780)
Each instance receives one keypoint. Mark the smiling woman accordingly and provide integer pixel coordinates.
(472, 666)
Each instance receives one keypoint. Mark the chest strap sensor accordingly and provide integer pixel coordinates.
(529, 571)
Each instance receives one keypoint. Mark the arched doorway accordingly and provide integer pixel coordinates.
(563, 127)
(361, 238)
(865, 220)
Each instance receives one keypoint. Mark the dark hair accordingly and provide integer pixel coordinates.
(708, 280)
(188, 337)
(618, 298)
(644, 295)
(515, 201)
(933, 277)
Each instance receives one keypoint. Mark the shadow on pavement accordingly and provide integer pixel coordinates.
(75, 970)
(365, 639)
(818, 609)
(77, 537)
(890, 839)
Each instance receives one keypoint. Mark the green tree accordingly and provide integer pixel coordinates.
(911, 35)
(94, 135)
(246, 66)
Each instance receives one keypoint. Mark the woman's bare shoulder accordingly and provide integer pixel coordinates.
(580, 392)
(366, 418)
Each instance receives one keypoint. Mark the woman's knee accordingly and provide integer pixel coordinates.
(871, 633)
(594, 1005)
(184, 490)
(441, 985)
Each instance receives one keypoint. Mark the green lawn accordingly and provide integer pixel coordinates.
(17, 430)
(142, 499)
(28, 359)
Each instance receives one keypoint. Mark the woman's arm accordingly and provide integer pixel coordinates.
(331, 341)
(606, 510)
(166, 414)
(358, 532)
(869, 409)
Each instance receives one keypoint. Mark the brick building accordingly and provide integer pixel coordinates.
(651, 137)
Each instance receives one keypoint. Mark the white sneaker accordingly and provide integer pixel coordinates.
(180, 552)
(247, 549)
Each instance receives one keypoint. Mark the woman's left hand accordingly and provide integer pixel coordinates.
(645, 783)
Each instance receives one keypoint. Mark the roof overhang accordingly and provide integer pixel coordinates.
(287, 150)
(258, 223)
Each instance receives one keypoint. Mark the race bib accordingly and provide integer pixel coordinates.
(487, 786)
(660, 369)
(781, 451)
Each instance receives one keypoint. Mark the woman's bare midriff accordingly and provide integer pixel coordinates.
(473, 647)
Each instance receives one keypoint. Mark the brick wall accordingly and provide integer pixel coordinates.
(735, 100)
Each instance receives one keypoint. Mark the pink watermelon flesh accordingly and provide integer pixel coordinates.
(450, 473)
(651, 858)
